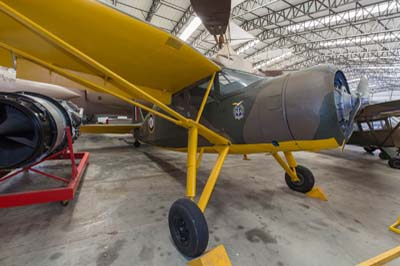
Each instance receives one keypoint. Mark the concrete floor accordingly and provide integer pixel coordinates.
(120, 214)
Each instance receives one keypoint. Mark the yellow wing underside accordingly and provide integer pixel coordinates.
(149, 58)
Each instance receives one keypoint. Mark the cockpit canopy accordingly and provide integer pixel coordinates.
(227, 82)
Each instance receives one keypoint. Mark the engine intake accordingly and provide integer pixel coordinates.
(32, 127)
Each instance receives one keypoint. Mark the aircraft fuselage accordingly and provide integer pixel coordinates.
(303, 106)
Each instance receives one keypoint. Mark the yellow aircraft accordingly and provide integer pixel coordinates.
(107, 51)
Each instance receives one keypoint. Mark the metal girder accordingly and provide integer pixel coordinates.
(298, 63)
(249, 6)
(364, 39)
(200, 38)
(296, 11)
(307, 8)
(183, 20)
(153, 9)
(332, 26)
(311, 49)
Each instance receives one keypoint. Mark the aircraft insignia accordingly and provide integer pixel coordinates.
(151, 123)
(238, 111)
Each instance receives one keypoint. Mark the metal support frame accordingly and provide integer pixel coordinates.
(289, 166)
(200, 157)
(52, 194)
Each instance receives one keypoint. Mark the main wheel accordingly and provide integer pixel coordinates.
(370, 149)
(394, 163)
(188, 228)
(384, 156)
(306, 182)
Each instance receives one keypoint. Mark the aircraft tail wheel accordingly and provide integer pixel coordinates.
(188, 228)
(369, 149)
(384, 156)
(394, 163)
(136, 144)
(306, 182)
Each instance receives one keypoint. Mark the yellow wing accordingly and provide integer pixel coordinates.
(141, 54)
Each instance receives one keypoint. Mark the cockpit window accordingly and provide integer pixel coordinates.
(379, 125)
(231, 81)
(394, 121)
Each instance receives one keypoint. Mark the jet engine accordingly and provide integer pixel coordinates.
(32, 127)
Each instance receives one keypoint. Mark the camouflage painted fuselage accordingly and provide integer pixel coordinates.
(299, 106)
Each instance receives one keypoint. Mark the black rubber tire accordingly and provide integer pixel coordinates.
(136, 144)
(306, 182)
(188, 228)
(384, 156)
(394, 163)
(370, 149)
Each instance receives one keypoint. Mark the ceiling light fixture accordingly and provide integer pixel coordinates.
(192, 27)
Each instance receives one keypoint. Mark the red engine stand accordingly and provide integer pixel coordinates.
(62, 194)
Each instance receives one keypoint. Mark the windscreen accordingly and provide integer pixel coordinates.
(231, 81)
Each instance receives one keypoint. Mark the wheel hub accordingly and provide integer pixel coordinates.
(181, 231)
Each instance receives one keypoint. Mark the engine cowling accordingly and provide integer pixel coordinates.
(312, 104)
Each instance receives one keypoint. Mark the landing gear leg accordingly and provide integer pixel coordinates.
(187, 224)
(297, 177)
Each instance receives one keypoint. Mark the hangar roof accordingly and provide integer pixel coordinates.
(360, 36)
